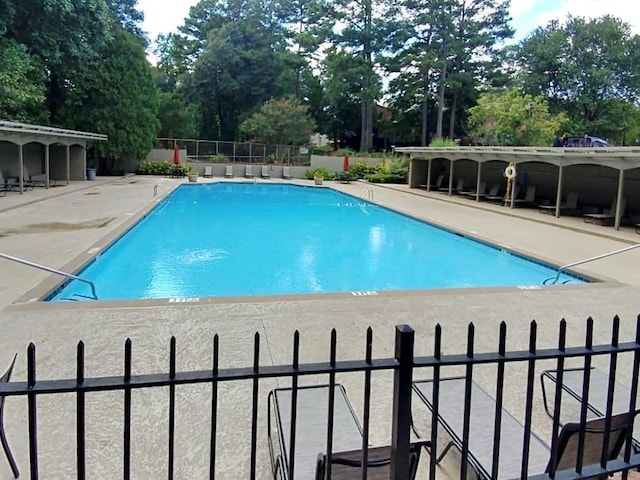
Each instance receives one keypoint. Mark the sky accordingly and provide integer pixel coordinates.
(164, 16)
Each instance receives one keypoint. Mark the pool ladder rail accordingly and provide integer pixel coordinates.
(161, 187)
(554, 280)
(367, 194)
(52, 270)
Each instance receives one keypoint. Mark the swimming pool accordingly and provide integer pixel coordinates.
(247, 239)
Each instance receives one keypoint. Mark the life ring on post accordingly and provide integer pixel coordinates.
(510, 171)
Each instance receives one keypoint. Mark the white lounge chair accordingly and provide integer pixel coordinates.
(264, 172)
(608, 216)
(495, 188)
(248, 172)
(458, 188)
(286, 173)
(472, 193)
(208, 171)
(229, 172)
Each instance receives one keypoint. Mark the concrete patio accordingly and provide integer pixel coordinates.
(62, 226)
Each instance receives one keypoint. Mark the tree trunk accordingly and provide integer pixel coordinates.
(366, 130)
(425, 117)
(452, 116)
(441, 91)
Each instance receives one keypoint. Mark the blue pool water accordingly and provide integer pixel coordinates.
(230, 239)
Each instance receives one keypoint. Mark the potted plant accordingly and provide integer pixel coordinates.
(193, 176)
(318, 177)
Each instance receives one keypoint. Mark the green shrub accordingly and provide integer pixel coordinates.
(443, 142)
(219, 158)
(160, 168)
(326, 174)
(382, 177)
(360, 169)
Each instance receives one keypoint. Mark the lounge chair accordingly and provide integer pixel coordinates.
(12, 184)
(229, 172)
(501, 198)
(435, 186)
(208, 171)
(637, 227)
(248, 171)
(312, 414)
(264, 172)
(529, 197)
(3, 438)
(572, 381)
(472, 193)
(286, 173)
(608, 216)
(37, 180)
(451, 395)
(458, 188)
(570, 204)
(493, 192)
(348, 465)
(311, 427)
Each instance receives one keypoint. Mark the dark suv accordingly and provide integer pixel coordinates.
(588, 141)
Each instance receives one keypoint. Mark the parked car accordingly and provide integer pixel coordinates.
(588, 141)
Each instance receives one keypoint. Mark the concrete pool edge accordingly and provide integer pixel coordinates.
(39, 306)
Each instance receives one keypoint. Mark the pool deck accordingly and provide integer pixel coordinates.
(63, 226)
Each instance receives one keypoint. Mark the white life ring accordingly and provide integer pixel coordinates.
(510, 172)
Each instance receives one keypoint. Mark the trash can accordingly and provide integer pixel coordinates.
(91, 174)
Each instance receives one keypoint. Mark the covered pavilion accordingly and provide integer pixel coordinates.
(46, 152)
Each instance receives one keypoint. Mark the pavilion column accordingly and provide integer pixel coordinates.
(46, 165)
(450, 177)
(559, 191)
(68, 155)
(513, 187)
(619, 201)
(21, 164)
(478, 181)
(428, 175)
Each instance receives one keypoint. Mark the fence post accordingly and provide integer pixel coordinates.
(401, 421)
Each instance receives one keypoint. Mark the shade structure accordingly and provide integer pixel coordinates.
(345, 163)
(176, 155)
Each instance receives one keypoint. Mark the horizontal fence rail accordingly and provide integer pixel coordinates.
(452, 405)
(238, 152)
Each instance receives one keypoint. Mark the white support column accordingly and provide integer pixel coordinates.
(21, 164)
(513, 187)
(68, 154)
(428, 175)
(450, 177)
(619, 201)
(46, 165)
(478, 181)
(559, 189)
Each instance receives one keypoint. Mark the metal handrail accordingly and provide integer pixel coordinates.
(591, 259)
(155, 189)
(52, 270)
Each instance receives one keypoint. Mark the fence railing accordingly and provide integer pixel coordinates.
(238, 152)
(459, 433)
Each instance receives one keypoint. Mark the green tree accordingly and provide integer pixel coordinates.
(507, 117)
(581, 66)
(22, 84)
(280, 122)
(119, 99)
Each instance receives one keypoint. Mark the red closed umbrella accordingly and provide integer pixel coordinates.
(176, 155)
(345, 163)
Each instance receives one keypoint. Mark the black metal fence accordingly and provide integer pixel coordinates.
(442, 432)
(238, 152)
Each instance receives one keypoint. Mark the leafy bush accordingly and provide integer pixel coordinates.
(361, 169)
(443, 142)
(325, 173)
(382, 177)
(219, 158)
(160, 168)
(399, 168)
